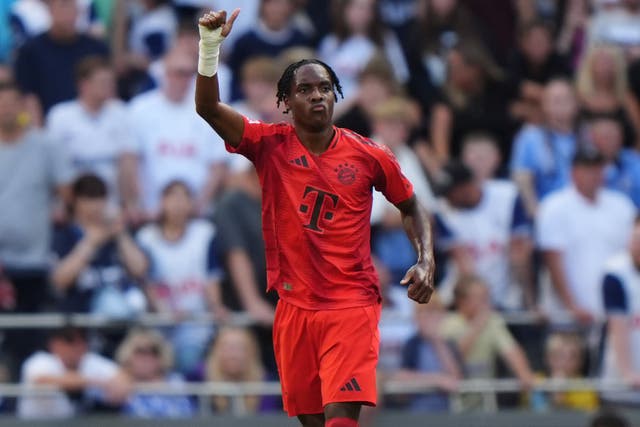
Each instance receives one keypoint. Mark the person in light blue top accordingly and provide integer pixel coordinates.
(622, 171)
(541, 157)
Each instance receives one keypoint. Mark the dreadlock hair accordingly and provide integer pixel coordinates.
(284, 84)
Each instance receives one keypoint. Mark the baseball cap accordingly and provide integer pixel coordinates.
(588, 156)
(453, 174)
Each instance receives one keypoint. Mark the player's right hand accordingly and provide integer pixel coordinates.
(214, 20)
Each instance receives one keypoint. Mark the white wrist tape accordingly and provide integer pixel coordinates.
(210, 41)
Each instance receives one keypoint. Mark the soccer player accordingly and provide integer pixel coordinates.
(316, 202)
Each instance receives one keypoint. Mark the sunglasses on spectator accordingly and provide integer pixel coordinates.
(148, 350)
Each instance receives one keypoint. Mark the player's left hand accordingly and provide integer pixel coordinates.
(420, 280)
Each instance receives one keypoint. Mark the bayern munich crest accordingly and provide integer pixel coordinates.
(346, 173)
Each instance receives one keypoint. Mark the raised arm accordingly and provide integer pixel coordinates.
(415, 221)
(227, 123)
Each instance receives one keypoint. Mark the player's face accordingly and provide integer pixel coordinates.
(311, 98)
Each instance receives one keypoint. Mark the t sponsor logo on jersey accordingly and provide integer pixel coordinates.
(320, 207)
(346, 173)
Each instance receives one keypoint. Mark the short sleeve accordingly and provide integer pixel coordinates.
(523, 157)
(614, 296)
(502, 338)
(550, 229)
(389, 179)
(252, 142)
(40, 365)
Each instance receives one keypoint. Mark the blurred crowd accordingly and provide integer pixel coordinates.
(518, 124)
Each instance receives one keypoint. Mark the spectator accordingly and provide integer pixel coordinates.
(87, 380)
(392, 123)
(32, 172)
(481, 154)
(358, 33)
(622, 170)
(622, 304)
(147, 358)
(489, 222)
(152, 31)
(618, 25)
(241, 249)
(565, 359)
(184, 279)
(481, 335)
(440, 26)
(274, 32)
(603, 90)
(97, 260)
(173, 142)
(376, 84)
(473, 99)
(534, 64)
(235, 357)
(260, 77)
(45, 64)
(575, 259)
(541, 160)
(93, 128)
(30, 18)
(428, 360)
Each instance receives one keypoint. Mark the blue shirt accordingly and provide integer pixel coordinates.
(546, 155)
(624, 175)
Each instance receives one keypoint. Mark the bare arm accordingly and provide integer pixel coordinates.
(70, 381)
(132, 257)
(415, 221)
(227, 122)
(129, 186)
(519, 364)
(441, 132)
(524, 182)
(69, 268)
(553, 261)
(520, 250)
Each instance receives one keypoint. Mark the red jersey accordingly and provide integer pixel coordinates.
(316, 212)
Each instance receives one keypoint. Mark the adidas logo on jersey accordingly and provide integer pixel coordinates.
(352, 385)
(300, 161)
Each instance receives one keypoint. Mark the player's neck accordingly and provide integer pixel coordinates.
(316, 142)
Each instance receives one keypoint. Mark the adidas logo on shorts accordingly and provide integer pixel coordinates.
(352, 385)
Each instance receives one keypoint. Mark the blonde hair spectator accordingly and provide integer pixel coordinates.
(148, 339)
(602, 62)
(235, 357)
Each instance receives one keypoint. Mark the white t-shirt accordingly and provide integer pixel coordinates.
(486, 231)
(587, 234)
(173, 142)
(184, 267)
(94, 142)
(57, 404)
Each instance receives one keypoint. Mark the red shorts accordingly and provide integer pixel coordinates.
(326, 356)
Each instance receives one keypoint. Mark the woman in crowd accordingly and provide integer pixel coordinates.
(184, 274)
(603, 89)
(358, 33)
(235, 357)
(145, 356)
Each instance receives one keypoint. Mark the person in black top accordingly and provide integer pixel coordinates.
(45, 65)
